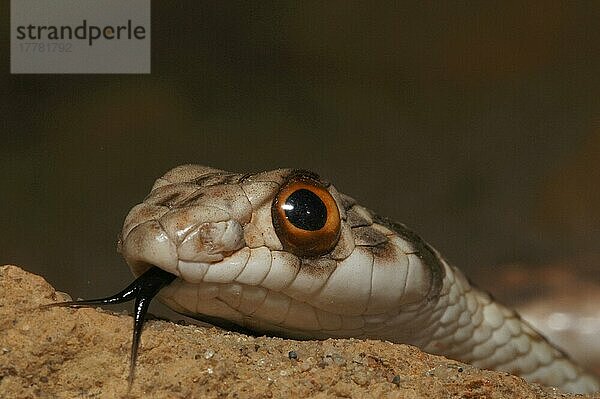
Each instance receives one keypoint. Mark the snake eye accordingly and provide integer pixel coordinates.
(306, 218)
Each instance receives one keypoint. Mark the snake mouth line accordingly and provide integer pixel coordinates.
(142, 290)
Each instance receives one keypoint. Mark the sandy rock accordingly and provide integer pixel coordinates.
(66, 353)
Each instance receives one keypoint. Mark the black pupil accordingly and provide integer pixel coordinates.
(305, 210)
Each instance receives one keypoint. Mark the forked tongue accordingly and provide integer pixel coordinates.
(143, 289)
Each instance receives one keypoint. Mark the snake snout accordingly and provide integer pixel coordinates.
(148, 245)
(204, 243)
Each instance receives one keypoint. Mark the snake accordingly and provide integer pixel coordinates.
(284, 253)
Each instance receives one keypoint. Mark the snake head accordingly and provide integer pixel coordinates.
(281, 252)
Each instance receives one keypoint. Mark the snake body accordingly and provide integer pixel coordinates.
(222, 236)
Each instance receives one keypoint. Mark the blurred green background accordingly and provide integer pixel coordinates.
(475, 123)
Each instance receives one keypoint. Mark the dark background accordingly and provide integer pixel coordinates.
(477, 124)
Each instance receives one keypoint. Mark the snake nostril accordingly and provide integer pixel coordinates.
(212, 241)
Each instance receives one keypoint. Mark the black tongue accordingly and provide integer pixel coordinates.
(143, 289)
